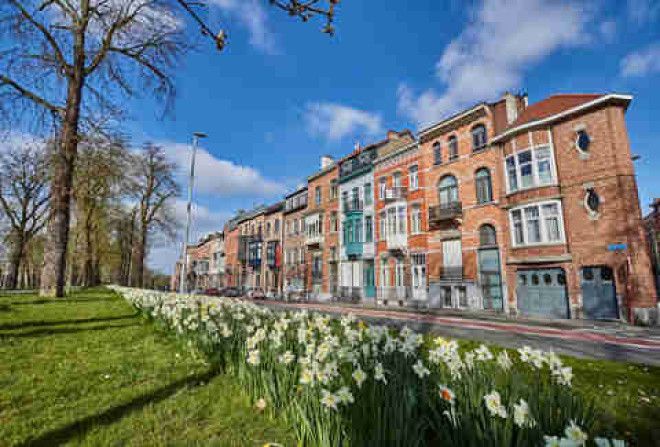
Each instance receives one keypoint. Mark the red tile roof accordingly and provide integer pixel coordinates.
(552, 105)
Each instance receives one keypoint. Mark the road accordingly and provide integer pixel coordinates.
(637, 345)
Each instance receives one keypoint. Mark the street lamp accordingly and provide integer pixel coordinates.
(184, 261)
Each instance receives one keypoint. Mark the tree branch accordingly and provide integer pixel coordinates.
(4, 80)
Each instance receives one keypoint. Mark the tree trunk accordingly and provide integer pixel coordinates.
(15, 263)
(53, 275)
(88, 264)
(139, 258)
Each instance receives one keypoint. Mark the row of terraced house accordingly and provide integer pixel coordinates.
(523, 209)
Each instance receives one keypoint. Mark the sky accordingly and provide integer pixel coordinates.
(282, 93)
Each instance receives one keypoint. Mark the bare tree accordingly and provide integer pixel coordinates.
(23, 200)
(71, 61)
(155, 188)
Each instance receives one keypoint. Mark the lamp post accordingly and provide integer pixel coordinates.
(184, 258)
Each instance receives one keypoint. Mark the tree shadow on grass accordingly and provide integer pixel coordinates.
(60, 301)
(28, 324)
(5, 308)
(80, 427)
(59, 331)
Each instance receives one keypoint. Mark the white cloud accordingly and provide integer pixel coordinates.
(221, 178)
(642, 62)
(252, 15)
(502, 40)
(642, 12)
(204, 221)
(335, 121)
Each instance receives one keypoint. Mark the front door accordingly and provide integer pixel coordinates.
(491, 283)
(419, 277)
(452, 259)
(599, 293)
(369, 282)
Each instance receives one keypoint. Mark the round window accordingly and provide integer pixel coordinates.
(582, 140)
(592, 201)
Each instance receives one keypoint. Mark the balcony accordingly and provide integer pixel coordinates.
(395, 193)
(445, 212)
(314, 240)
(353, 206)
(353, 249)
(451, 273)
(397, 242)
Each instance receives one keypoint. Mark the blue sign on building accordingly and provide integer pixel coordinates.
(617, 247)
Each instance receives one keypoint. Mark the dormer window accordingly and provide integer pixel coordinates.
(479, 137)
(582, 140)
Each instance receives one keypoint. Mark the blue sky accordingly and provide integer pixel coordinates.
(282, 94)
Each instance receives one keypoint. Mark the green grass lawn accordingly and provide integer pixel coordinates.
(88, 370)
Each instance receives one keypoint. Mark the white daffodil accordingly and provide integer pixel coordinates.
(552, 441)
(447, 395)
(503, 360)
(359, 376)
(260, 404)
(329, 400)
(521, 415)
(575, 433)
(493, 403)
(482, 353)
(345, 396)
(421, 370)
(253, 357)
(306, 377)
(286, 358)
(379, 373)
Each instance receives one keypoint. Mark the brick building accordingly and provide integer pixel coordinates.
(272, 250)
(295, 268)
(321, 229)
(652, 223)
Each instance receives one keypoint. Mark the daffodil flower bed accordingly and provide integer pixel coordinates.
(342, 382)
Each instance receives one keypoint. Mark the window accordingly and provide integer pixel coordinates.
(483, 186)
(368, 229)
(317, 195)
(268, 229)
(448, 190)
(402, 219)
(357, 229)
(382, 185)
(367, 193)
(355, 198)
(334, 189)
(437, 153)
(334, 222)
(391, 221)
(398, 277)
(478, 137)
(413, 178)
(416, 220)
(487, 235)
(530, 168)
(382, 226)
(453, 147)
(396, 181)
(537, 224)
(384, 273)
(592, 202)
(277, 225)
(582, 140)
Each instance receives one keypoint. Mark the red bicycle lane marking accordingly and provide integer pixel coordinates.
(565, 334)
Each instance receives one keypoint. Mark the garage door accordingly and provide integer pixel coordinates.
(542, 293)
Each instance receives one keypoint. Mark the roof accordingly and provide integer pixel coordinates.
(551, 106)
(557, 107)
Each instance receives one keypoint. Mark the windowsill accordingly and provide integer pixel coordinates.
(539, 244)
(479, 150)
(530, 188)
(481, 205)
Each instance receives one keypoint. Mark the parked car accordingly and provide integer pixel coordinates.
(212, 292)
(231, 292)
(256, 293)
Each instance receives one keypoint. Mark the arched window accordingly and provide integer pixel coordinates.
(448, 190)
(452, 142)
(487, 235)
(479, 137)
(483, 186)
(437, 153)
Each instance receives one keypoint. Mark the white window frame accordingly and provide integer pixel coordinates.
(535, 170)
(413, 177)
(382, 186)
(416, 219)
(542, 223)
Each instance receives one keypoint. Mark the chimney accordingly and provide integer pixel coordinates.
(511, 103)
(326, 161)
(392, 135)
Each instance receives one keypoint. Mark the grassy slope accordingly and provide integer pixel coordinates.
(87, 370)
